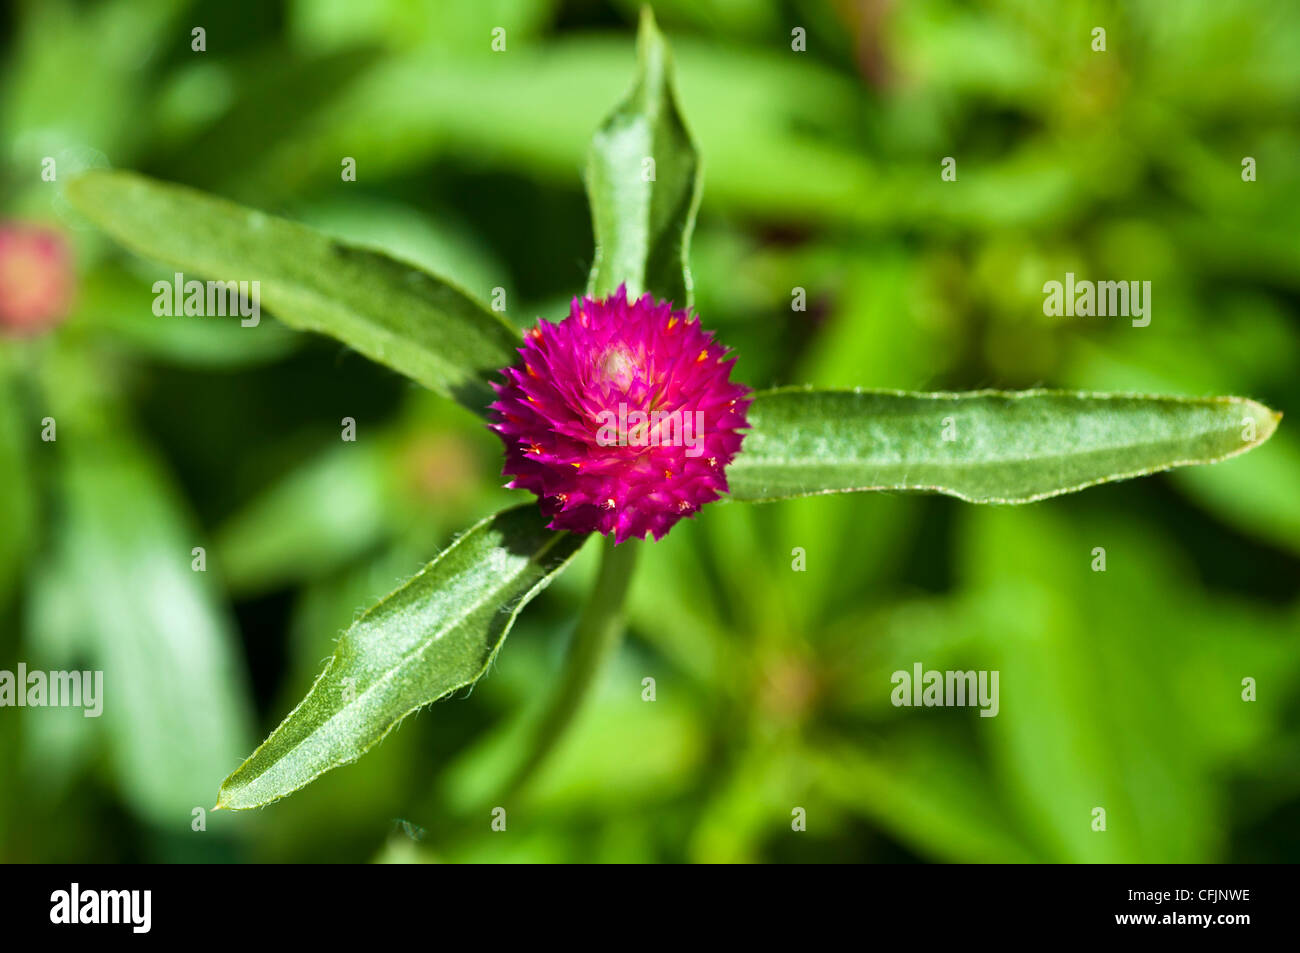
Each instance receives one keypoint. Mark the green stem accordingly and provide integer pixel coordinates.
(599, 629)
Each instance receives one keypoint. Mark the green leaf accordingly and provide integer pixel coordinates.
(437, 633)
(929, 793)
(273, 101)
(762, 116)
(643, 182)
(18, 501)
(175, 703)
(394, 313)
(983, 446)
(110, 298)
(327, 511)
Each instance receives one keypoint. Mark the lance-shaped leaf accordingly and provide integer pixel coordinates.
(118, 590)
(643, 183)
(437, 633)
(984, 446)
(394, 313)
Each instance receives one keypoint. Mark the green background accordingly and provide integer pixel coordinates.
(1119, 690)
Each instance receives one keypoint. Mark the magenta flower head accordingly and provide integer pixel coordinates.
(622, 418)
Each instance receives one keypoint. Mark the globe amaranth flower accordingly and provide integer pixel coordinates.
(622, 418)
(36, 278)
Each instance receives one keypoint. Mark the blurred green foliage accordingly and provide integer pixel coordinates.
(821, 168)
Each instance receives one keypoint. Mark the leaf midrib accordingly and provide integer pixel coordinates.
(958, 463)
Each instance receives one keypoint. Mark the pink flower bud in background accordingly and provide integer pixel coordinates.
(36, 279)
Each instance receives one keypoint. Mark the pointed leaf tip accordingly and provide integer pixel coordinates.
(643, 183)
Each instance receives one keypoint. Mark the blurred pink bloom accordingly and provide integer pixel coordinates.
(36, 278)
